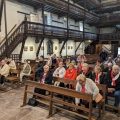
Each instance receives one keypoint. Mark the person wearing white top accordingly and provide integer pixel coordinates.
(59, 72)
(86, 85)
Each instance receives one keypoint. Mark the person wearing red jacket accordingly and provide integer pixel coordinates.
(71, 74)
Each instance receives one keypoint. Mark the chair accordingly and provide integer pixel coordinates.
(14, 77)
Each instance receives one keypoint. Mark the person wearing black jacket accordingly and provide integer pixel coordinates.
(103, 55)
(86, 71)
(113, 84)
(40, 66)
(45, 78)
(98, 77)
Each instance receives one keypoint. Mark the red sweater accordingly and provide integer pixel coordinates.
(71, 74)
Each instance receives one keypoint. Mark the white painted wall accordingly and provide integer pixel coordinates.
(107, 30)
(12, 16)
(81, 48)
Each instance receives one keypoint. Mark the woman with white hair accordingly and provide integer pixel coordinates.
(59, 72)
(98, 76)
(85, 85)
(86, 71)
(45, 78)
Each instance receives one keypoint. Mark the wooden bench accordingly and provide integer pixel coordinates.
(53, 101)
(14, 77)
(101, 87)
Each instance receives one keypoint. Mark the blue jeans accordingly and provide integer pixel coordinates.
(117, 97)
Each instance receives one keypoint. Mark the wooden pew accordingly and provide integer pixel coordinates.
(53, 100)
(101, 87)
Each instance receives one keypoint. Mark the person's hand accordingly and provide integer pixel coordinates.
(65, 84)
(111, 90)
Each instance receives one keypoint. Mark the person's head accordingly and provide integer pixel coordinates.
(71, 66)
(115, 69)
(3, 62)
(110, 65)
(25, 61)
(41, 58)
(97, 69)
(85, 66)
(73, 62)
(103, 50)
(81, 79)
(109, 59)
(46, 68)
(99, 62)
(60, 64)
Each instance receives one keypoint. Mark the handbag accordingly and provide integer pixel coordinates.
(99, 97)
(32, 102)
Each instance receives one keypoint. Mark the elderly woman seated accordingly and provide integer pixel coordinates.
(26, 70)
(98, 77)
(71, 74)
(113, 84)
(86, 71)
(59, 72)
(45, 78)
(86, 85)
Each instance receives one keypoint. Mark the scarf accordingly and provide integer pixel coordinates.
(57, 75)
(114, 78)
(84, 73)
(83, 89)
(79, 68)
(43, 78)
(97, 78)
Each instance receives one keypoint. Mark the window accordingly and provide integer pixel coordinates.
(118, 50)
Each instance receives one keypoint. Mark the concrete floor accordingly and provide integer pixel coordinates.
(10, 109)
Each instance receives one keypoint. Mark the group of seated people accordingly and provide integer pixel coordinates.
(87, 79)
(7, 64)
(77, 70)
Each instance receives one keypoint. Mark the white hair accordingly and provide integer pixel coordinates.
(115, 66)
(86, 64)
(46, 66)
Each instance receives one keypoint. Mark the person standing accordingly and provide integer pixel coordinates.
(103, 55)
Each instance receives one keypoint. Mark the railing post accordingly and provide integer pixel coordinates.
(6, 43)
(51, 105)
(25, 96)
